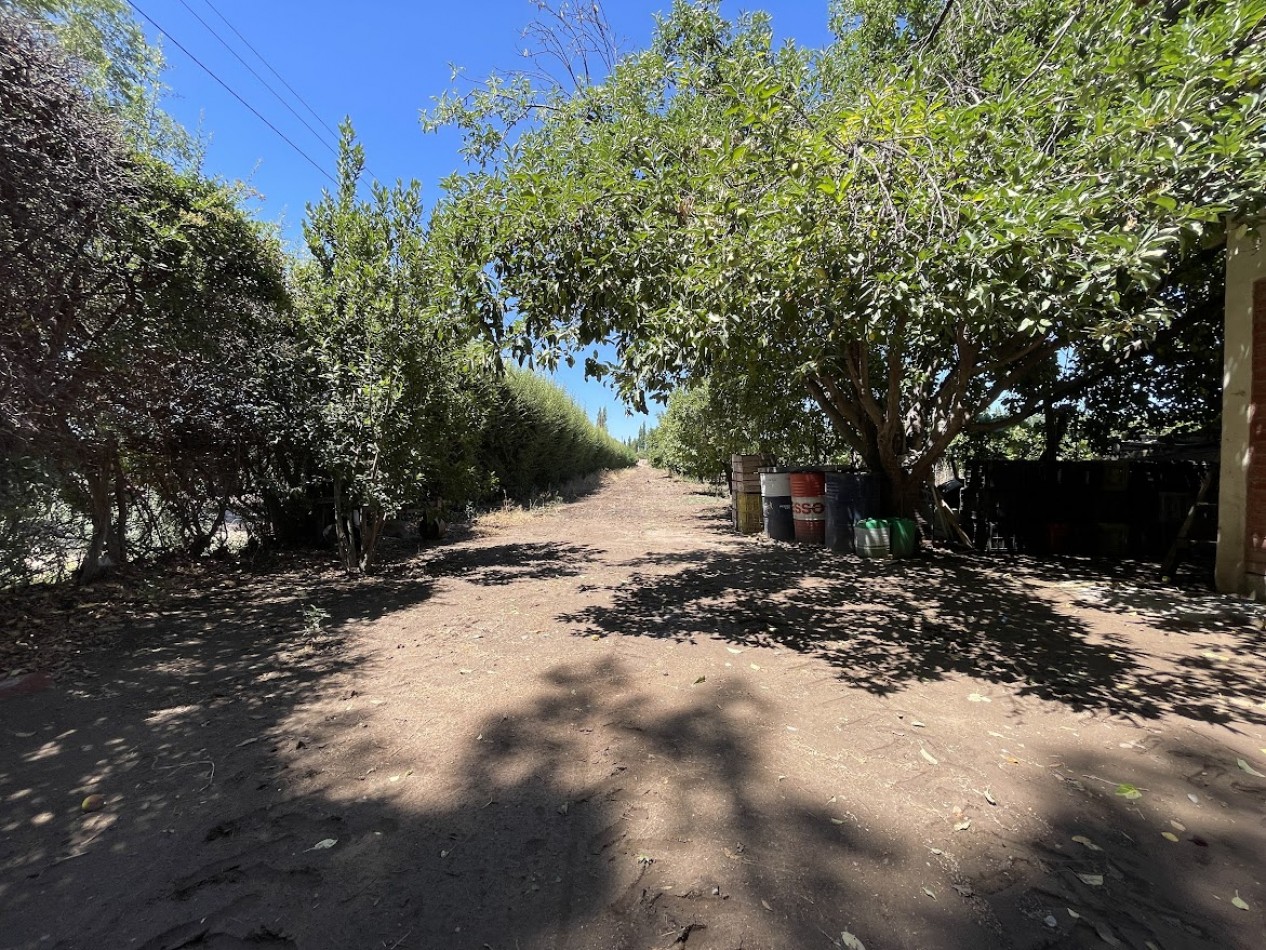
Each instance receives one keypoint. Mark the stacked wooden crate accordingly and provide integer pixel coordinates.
(745, 492)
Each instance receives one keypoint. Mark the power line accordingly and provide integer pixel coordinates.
(233, 93)
(261, 58)
(269, 66)
(263, 81)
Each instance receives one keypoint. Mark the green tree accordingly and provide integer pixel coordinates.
(536, 437)
(1177, 388)
(706, 422)
(211, 324)
(390, 398)
(935, 215)
(135, 300)
(118, 65)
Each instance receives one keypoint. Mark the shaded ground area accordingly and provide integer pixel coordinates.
(614, 724)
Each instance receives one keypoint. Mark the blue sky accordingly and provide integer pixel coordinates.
(379, 63)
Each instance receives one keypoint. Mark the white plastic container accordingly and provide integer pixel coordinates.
(871, 539)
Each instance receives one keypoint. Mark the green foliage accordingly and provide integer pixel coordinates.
(706, 423)
(931, 216)
(135, 301)
(41, 536)
(103, 35)
(390, 367)
(1176, 388)
(1029, 439)
(404, 413)
(120, 67)
(687, 441)
(640, 444)
(211, 322)
(164, 366)
(536, 437)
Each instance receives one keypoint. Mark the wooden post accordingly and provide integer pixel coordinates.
(947, 516)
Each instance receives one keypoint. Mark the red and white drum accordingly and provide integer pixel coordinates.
(808, 506)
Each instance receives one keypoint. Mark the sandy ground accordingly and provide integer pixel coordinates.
(614, 724)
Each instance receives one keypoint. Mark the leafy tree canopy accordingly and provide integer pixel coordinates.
(951, 206)
(118, 64)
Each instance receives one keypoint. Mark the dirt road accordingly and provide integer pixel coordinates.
(614, 724)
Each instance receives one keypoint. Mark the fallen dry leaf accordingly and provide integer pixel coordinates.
(929, 756)
(1239, 902)
(1107, 936)
(1248, 768)
(1094, 880)
(1082, 839)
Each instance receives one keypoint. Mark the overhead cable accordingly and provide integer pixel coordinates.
(310, 160)
(264, 82)
(261, 58)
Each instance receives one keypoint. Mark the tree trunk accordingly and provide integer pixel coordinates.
(901, 492)
(1056, 423)
(116, 540)
(370, 531)
(101, 513)
(347, 546)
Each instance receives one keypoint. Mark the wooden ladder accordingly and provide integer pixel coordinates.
(1170, 565)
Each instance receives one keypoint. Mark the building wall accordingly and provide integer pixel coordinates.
(1241, 562)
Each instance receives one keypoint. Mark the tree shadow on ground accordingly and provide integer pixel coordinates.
(499, 564)
(884, 626)
(539, 834)
(231, 742)
(550, 829)
(1132, 588)
(181, 705)
(1101, 870)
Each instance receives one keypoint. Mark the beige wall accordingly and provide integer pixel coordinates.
(1246, 262)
